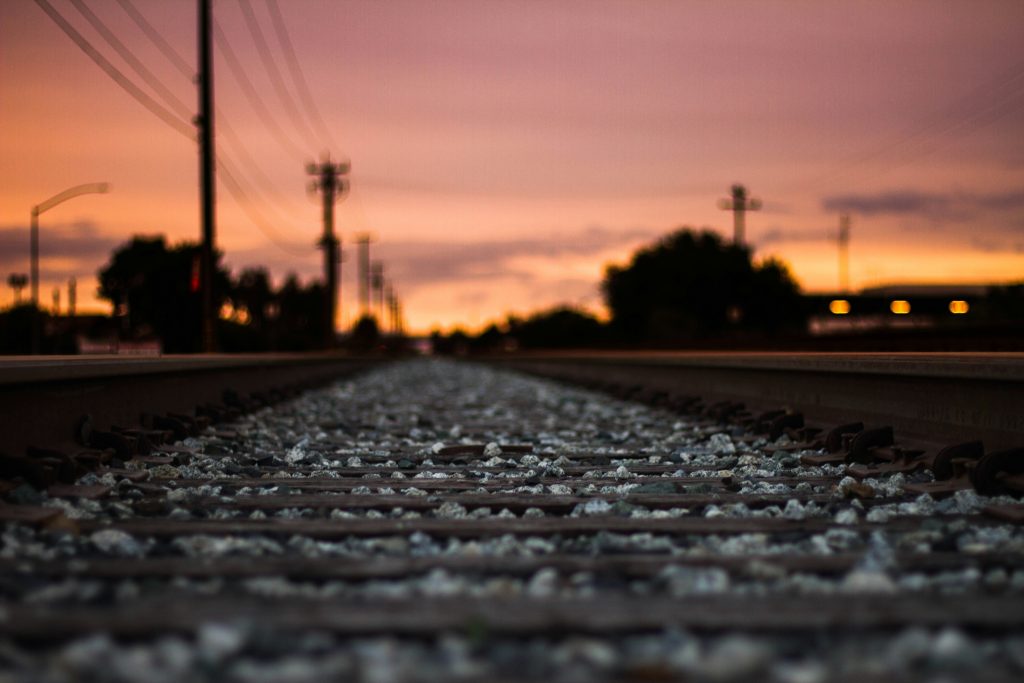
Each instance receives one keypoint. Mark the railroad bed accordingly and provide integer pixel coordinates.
(431, 520)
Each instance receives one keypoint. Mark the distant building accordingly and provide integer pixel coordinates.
(897, 306)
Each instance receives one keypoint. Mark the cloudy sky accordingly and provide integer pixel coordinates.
(504, 151)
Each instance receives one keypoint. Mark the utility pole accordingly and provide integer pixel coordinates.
(204, 123)
(363, 240)
(389, 296)
(844, 252)
(739, 204)
(377, 284)
(330, 181)
(72, 296)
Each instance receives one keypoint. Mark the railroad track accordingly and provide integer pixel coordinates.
(431, 520)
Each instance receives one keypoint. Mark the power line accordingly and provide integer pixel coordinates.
(238, 71)
(169, 98)
(126, 84)
(935, 125)
(312, 112)
(942, 137)
(229, 135)
(231, 179)
(266, 185)
(248, 192)
(975, 122)
(234, 180)
(168, 51)
(238, 192)
(275, 75)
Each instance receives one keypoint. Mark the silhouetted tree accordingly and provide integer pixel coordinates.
(693, 284)
(488, 341)
(456, 343)
(300, 317)
(253, 292)
(1003, 304)
(253, 299)
(365, 335)
(561, 327)
(16, 329)
(17, 282)
(157, 289)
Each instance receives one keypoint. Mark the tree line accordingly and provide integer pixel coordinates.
(688, 289)
(693, 289)
(154, 290)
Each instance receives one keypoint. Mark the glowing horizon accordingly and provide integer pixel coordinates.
(503, 153)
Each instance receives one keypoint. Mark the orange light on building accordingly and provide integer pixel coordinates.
(900, 307)
(959, 307)
(839, 306)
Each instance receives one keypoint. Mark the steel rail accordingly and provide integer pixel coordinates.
(43, 399)
(933, 398)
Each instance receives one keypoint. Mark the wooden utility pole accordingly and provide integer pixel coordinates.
(207, 180)
(72, 296)
(844, 252)
(377, 285)
(363, 241)
(389, 297)
(330, 181)
(739, 204)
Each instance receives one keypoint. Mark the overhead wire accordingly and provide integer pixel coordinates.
(123, 81)
(169, 98)
(264, 183)
(257, 103)
(939, 123)
(232, 179)
(236, 188)
(157, 39)
(951, 133)
(270, 66)
(301, 85)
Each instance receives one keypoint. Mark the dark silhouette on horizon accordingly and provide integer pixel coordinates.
(693, 285)
(694, 290)
(689, 289)
(155, 292)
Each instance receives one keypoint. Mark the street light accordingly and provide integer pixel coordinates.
(59, 198)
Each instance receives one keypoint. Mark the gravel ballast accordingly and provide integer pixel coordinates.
(419, 444)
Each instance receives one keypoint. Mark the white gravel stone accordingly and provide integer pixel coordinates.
(846, 516)
(217, 642)
(721, 443)
(116, 542)
(543, 584)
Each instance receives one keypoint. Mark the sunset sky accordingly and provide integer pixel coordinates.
(504, 151)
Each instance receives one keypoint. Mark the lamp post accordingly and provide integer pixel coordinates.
(59, 198)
